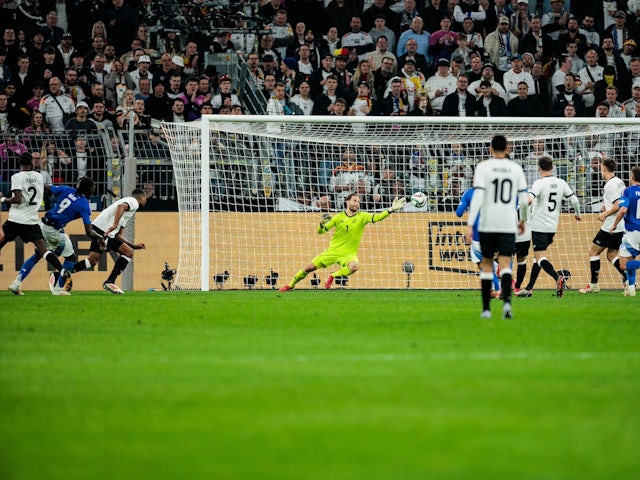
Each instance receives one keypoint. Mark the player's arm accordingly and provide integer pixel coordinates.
(622, 210)
(123, 207)
(523, 206)
(326, 223)
(465, 202)
(15, 199)
(474, 211)
(135, 246)
(575, 203)
(615, 206)
(91, 233)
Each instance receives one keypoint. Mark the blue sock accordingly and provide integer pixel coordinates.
(67, 265)
(28, 265)
(632, 266)
(496, 278)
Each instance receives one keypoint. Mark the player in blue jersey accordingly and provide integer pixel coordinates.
(630, 246)
(474, 250)
(72, 203)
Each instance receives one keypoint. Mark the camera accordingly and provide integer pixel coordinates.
(168, 275)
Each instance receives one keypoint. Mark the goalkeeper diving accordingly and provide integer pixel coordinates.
(343, 248)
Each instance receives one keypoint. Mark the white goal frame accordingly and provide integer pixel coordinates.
(482, 128)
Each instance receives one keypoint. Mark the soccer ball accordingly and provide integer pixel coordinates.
(418, 199)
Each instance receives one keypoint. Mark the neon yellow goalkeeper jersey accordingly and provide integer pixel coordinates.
(349, 230)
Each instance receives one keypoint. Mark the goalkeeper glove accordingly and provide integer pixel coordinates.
(325, 219)
(397, 204)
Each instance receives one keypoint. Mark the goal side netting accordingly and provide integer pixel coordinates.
(251, 191)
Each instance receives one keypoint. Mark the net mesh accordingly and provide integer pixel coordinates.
(269, 181)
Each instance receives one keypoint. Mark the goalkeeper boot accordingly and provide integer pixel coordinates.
(16, 287)
(329, 282)
(590, 288)
(286, 288)
(630, 291)
(560, 286)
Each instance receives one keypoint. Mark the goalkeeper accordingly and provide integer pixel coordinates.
(343, 248)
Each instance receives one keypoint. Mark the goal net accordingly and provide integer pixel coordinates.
(251, 191)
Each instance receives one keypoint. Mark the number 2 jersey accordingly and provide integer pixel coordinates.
(548, 194)
(69, 206)
(30, 183)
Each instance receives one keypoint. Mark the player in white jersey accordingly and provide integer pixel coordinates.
(27, 188)
(110, 223)
(605, 239)
(499, 185)
(546, 196)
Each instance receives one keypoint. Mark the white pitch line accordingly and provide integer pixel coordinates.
(344, 359)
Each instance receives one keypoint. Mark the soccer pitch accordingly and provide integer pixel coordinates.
(339, 384)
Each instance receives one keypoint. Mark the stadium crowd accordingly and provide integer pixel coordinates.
(80, 66)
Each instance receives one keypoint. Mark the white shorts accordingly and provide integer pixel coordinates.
(475, 252)
(58, 242)
(630, 246)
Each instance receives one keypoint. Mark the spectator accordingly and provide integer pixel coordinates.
(382, 76)
(56, 106)
(631, 104)
(101, 117)
(266, 49)
(304, 64)
(71, 87)
(97, 71)
(66, 49)
(81, 122)
(37, 125)
(525, 105)
(589, 31)
(318, 78)
(122, 24)
(82, 158)
(566, 93)
(52, 66)
(395, 103)
(324, 104)
(358, 39)
(513, 77)
(225, 95)
(443, 42)
(433, 14)
(416, 33)
(144, 89)
(97, 94)
(521, 19)
(380, 7)
(616, 109)
(589, 75)
(468, 9)
(24, 79)
(10, 151)
(362, 74)
(536, 42)
(489, 104)
(55, 162)
(540, 86)
(475, 41)
(345, 177)
(411, 53)
(501, 45)
(339, 14)
(555, 21)
(117, 82)
(440, 85)
(193, 100)
(618, 31)
(572, 35)
(460, 103)
(380, 29)
(175, 86)
(144, 64)
(423, 107)
(302, 100)
(282, 32)
(330, 42)
(413, 82)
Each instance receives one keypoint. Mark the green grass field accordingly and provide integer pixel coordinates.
(318, 385)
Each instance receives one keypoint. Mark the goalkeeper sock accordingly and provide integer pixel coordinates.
(535, 271)
(67, 265)
(616, 263)
(547, 267)
(301, 275)
(118, 268)
(594, 263)
(521, 272)
(343, 272)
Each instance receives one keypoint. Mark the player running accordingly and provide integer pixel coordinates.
(72, 203)
(110, 224)
(546, 196)
(630, 246)
(343, 248)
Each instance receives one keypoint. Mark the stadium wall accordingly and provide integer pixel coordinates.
(434, 243)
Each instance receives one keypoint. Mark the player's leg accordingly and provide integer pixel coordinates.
(594, 265)
(123, 261)
(629, 252)
(301, 275)
(522, 253)
(488, 247)
(25, 269)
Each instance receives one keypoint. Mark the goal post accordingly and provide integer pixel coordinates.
(251, 190)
